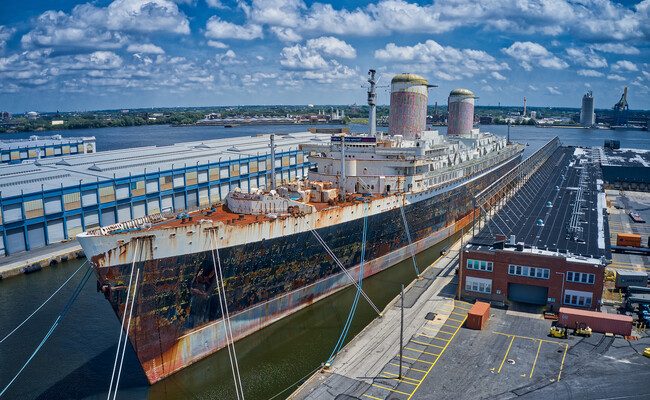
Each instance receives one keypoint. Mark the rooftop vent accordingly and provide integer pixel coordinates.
(539, 222)
(549, 204)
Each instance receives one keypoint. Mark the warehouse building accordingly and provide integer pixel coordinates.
(54, 199)
(15, 151)
(626, 169)
(547, 245)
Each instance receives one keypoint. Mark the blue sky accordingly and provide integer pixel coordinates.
(69, 55)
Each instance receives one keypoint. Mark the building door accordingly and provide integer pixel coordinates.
(55, 232)
(527, 293)
(15, 241)
(36, 236)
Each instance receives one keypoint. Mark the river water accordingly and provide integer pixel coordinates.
(77, 361)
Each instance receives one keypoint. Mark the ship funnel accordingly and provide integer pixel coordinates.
(409, 96)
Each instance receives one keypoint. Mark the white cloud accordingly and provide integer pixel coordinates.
(624, 65)
(219, 29)
(285, 13)
(332, 46)
(147, 48)
(498, 76)
(445, 62)
(286, 34)
(214, 4)
(217, 45)
(616, 48)
(137, 15)
(592, 73)
(302, 58)
(5, 34)
(531, 54)
(586, 57)
(553, 90)
(614, 77)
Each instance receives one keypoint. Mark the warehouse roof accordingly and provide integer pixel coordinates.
(625, 157)
(42, 141)
(54, 172)
(560, 208)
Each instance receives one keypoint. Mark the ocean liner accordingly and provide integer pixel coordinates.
(414, 186)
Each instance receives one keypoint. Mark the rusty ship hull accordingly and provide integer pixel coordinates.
(271, 268)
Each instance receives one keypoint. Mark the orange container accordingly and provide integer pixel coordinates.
(628, 239)
(598, 321)
(478, 316)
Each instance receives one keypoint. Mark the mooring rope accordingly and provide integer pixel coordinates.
(126, 307)
(223, 303)
(45, 302)
(56, 323)
(347, 273)
(408, 236)
(355, 302)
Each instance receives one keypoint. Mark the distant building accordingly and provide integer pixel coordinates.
(57, 122)
(486, 120)
(5, 116)
(32, 115)
(587, 115)
(621, 110)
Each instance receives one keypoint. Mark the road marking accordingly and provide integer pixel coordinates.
(371, 397)
(425, 343)
(529, 338)
(566, 347)
(422, 351)
(535, 362)
(390, 390)
(449, 333)
(433, 364)
(506, 355)
(397, 379)
(417, 359)
(462, 315)
(403, 377)
(455, 320)
(410, 369)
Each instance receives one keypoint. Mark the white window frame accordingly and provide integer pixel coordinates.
(529, 272)
(580, 277)
(480, 265)
(479, 285)
(577, 298)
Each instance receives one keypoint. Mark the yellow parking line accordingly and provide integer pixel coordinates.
(432, 365)
(448, 333)
(417, 359)
(390, 390)
(566, 347)
(403, 377)
(462, 315)
(422, 351)
(535, 362)
(425, 344)
(529, 338)
(455, 320)
(506, 355)
(410, 369)
(397, 379)
(371, 397)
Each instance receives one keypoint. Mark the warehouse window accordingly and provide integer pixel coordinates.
(106, 194)
(478, 285)
(71, 201)
(480, 265)
(166, 182)
(137, 188)
(190, 178)
(530, 272)
(577, 298)
(580, 277)
(33, 208)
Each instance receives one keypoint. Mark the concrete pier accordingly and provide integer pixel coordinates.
(16, 264)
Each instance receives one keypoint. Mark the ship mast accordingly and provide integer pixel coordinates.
(372, 102)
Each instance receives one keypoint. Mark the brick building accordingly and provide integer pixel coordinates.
(533, 276)
(557, 248)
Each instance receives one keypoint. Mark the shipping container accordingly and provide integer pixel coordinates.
(597, 321)
(628, 239)
(626, 278)
(478, 316)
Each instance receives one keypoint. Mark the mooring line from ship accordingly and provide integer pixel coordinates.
(230, 342)
(55, 325)
(408, 236)
(345, 271)
(294, 384)
(126, 307)
(355, 302)
(45, 302)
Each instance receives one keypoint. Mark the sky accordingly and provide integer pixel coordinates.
(74, 56)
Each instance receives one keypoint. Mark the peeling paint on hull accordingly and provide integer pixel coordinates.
(177, 319)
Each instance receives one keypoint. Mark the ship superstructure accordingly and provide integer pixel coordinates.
(413, 185)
